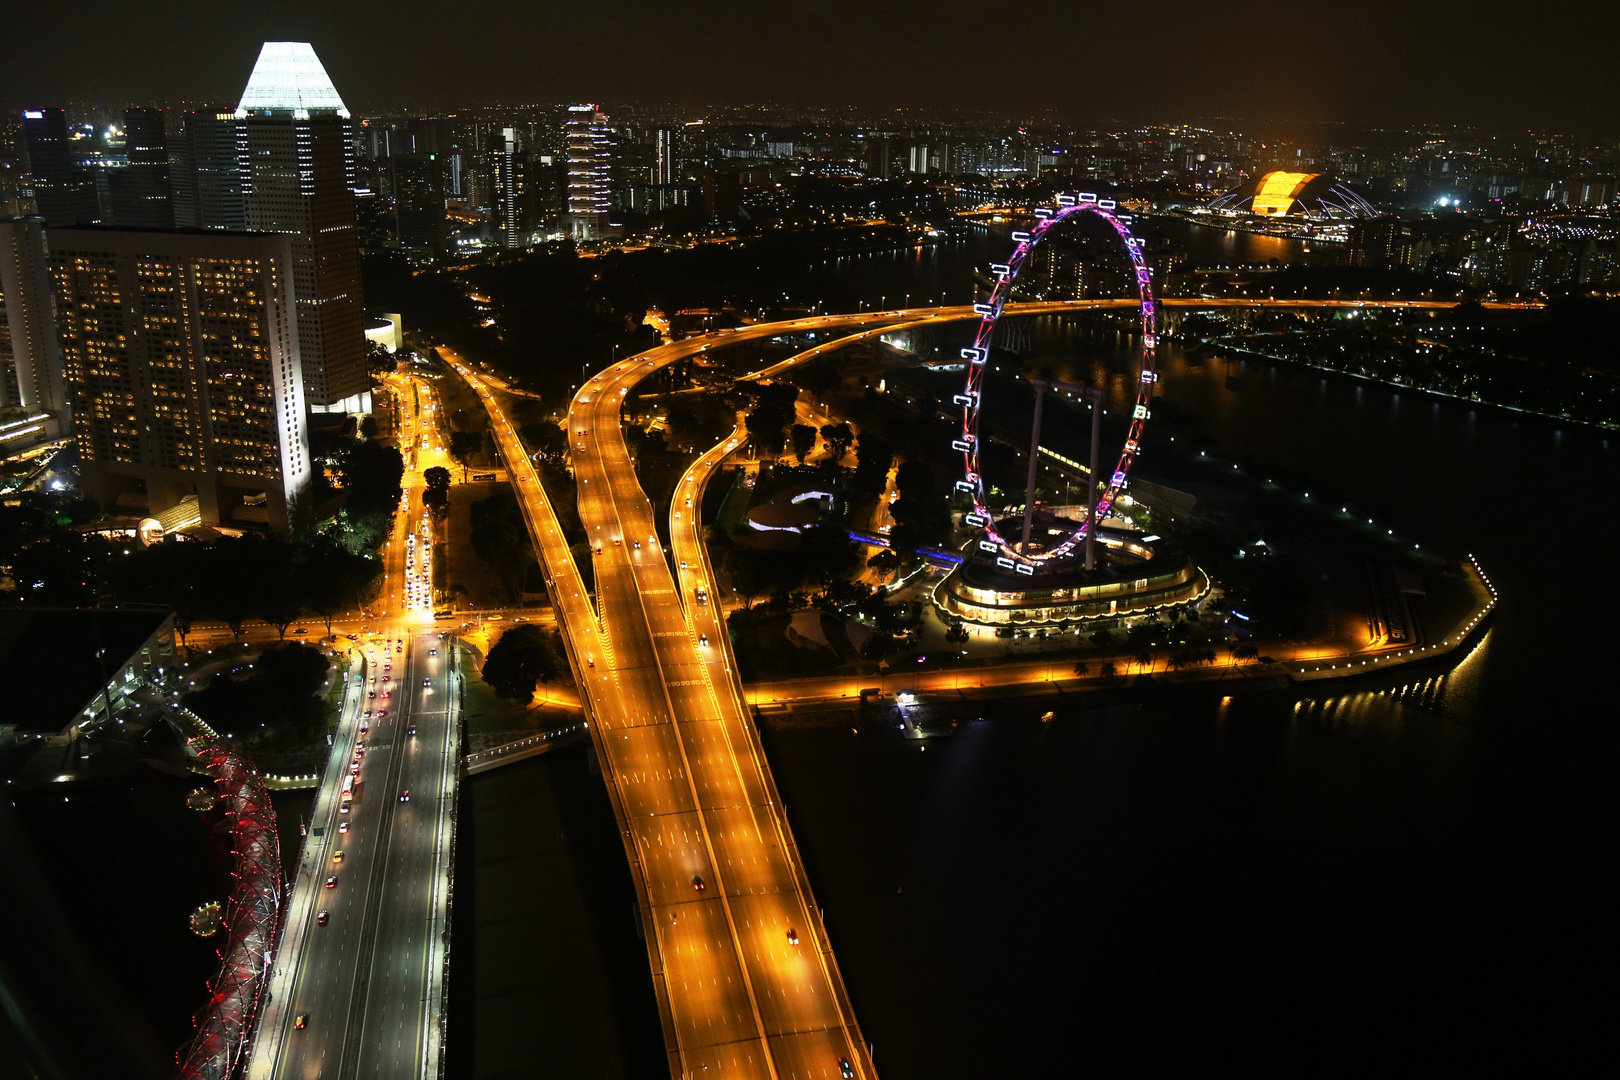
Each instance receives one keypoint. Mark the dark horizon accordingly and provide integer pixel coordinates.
(1274, 66)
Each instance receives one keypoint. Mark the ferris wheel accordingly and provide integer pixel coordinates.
(1008, 554)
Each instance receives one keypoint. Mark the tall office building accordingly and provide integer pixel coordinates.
(419, 219)
(666, 163)
(141, 190)
(203, 170)
(30, 357)
(509, 163)
(296, 167)
(590, 159)
(64, 195)
(181, 363)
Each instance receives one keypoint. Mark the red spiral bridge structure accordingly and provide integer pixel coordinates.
(1009, 555)
(225, 1024)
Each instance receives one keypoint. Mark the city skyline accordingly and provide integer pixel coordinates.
(910, 580)
(1379, 64)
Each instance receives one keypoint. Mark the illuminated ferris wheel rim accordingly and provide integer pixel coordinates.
(1007, 555)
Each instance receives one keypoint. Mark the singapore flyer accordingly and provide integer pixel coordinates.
(1008, 554)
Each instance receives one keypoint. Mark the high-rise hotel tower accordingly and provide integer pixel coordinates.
(180, 357)
(296, 169)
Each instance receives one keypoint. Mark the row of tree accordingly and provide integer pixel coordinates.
(235, 579)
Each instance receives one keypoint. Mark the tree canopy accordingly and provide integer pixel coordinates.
(525, 657)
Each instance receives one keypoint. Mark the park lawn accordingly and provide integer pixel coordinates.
(481, 580)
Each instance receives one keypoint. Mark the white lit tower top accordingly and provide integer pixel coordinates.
(289, 78)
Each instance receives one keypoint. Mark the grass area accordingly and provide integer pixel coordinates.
(485, 713)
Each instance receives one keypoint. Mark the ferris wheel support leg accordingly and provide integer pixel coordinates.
(1034, 463)
(1095, 394)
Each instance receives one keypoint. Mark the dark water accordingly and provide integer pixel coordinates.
(547, 974)
(1282, 879)
(128, 862)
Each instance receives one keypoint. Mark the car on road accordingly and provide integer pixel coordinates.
(300, 630)
(433, 652)
(793, 936)
(302, 1022)
(427, 682)
(697, 883)
(411, 730)
(337, 856)
(343, 828)
(845, 1069)
(703, 639)
(405, 796)
(320, 917)
(331, 882)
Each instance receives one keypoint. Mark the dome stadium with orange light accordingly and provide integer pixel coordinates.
(1313, 196)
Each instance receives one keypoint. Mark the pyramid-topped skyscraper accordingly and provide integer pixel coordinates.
(289, 78)
(296, 160)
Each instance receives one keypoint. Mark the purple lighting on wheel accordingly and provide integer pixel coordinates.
(972, 397)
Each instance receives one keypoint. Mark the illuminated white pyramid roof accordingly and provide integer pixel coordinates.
(288, 77)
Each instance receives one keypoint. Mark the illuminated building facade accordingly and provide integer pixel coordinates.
(590, 160)
(295, 160)
(510, 164)
(181, 364)
(1136, 575)
(666, 160)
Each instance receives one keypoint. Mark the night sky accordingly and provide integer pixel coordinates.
(1500, 65)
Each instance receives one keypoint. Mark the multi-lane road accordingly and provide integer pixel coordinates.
(361, 961)
(358, 983)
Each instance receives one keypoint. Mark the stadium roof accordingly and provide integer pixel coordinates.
(288, 77)
(1283, 194)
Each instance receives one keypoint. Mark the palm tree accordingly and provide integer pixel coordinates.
(1143, 660)
(1082, 669)
(1106, 669)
